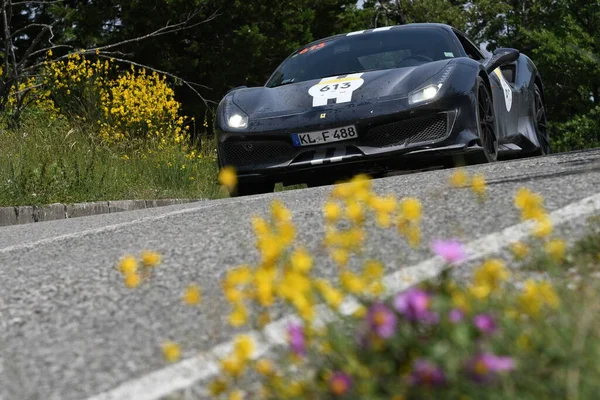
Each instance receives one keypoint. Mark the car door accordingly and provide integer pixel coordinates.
(503, 90)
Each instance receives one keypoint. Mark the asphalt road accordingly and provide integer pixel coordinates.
(70, 330)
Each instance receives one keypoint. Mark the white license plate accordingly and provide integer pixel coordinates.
(324, 136)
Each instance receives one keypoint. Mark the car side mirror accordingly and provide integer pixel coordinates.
(500, 57)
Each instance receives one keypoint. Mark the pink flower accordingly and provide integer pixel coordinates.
(382, 321)
(485, 366)
(485, 323)
(296, 339)
(414, 305)
(340, 383)
(426, 373)
(452, 251)
(455, 316)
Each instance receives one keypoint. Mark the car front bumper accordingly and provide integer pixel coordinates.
(387, 140)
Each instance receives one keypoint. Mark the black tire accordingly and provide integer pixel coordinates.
(486, 126)
(541, 123)
(250, 188)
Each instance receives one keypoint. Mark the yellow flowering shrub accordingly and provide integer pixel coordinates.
(123, 106)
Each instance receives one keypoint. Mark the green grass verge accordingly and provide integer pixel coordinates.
(45, 161)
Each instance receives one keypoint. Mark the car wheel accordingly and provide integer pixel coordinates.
(250, 188)
(541, 123)
(486, 126)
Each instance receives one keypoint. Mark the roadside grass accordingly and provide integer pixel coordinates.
(47, 160)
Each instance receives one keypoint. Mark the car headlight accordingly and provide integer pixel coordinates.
(234, 117)
(238, 121)
(424, 94)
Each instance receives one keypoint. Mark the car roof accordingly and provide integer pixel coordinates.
(366, 31)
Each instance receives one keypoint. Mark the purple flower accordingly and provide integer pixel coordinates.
(340, 383)
(414, 305)
(296, 339)
(452, 251)
(455, 316)
(485, 366)
(426, 373)
(485, 323)
(382, 321)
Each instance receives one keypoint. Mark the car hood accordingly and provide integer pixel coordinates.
(334, 92)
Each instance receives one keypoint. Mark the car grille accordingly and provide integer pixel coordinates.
(245, 154)
(408, 131)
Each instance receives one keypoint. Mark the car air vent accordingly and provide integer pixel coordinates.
(409, 131)
(255, 153)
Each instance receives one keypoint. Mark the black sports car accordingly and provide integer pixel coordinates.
(381, 99)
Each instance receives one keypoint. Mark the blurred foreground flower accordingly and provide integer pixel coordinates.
(486, 366)
(382, 321)
(452, 251)
(414, 305)
(171, 351)
(426, 373)
(296, 339)
(459, 178)
(340, 383)
(228, 178)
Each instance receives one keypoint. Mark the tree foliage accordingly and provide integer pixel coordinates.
(241, 42)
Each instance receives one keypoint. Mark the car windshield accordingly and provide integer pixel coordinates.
(384, 49)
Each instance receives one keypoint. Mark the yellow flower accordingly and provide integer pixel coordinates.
(332, 296)
(373, 269)
(525, 199)
(236, 395)
(537, 295)
(233, 366)
(244, 347)
(264, 367)
(301, 261)
(480, 292)
(519, 250)
(128, 265)
(354, 212)
(411, 209)
(279, 212)
(491, 274)
(263, 282)
(241, 275)
(459, 178)
(332, 211)
(413, 235)
(479, 185)
(171, 351)
(340, 256)
(217, 387)
(150, 258)
(352, 283)
(233, 295)
(384, 220)
(460, 300)
(287, 233)
(228, 177)
(261, 227)
(49, 53)
(384, 205)
(239, 316)
(556, 249)
(543, 227)
(192, 295)
(360, 312)
(132, 280)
